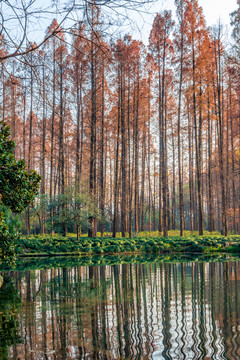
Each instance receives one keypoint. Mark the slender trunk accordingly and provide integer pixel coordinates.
(233, 164)
(181, 208)
(123, 159)
(160, 147)
(3, 93)
(130, 168)
(77, 166)
(164, 150)
(92, 174)
(43, 157)
(190, 170)
(210, 185)
(149, 156)
(30, 122)
(221, 137)
(143, 175)
(24, 122)
(61, 146)
(30, 143)
(154, 194)
(174, 181)
(136, 157)
(116, 170)
(102, 188)
(51, 191)
(197, 145)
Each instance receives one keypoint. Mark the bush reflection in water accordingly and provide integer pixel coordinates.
(129, 311)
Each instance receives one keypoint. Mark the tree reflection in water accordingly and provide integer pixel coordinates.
(10, 306)
(130, 311)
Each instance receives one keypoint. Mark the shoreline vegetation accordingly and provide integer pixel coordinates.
(53, 261)
(144, 243)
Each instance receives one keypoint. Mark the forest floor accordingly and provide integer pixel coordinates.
(57, 245)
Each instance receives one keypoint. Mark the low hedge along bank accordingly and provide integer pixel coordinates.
(107, 245)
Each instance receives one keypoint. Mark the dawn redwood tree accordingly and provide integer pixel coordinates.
(218, 55)
(233, 114)
(235, 22)
(136, 95)
(149, 70)
(79, 78)
(105, 59)
(50, 48)
(161, 46)
(121, 56)
(196, 31)
(96, 48)
(180, 41)
(31, 118)
(116, 165)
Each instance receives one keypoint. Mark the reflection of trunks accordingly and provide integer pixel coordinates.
(10, 306)
(160, 309)
(234, 274)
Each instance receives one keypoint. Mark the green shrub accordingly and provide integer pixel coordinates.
(101, 245)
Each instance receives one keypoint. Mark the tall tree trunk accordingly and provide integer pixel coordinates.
(102, 188)
(149, 156)
(181, 208)
(123, 159)
(190, 170)
(233, 162)
(61, 146)
(197, 145)
(92, 174)
(43, 157)
(160, 146)
(143, 175)
(130, 165)
(136, 136)
(174, 181)
(78, 160)
(164, 150)
(154, 194)
(221, 137)
(116, 167)
(210, 185)
(30, 142)
(51, 191)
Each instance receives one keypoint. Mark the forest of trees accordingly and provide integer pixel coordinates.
(129, 137)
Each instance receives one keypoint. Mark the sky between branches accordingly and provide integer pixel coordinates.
(123, 19)
(213, 10)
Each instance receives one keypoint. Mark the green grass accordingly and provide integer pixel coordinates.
(150, 234)
(190, 243)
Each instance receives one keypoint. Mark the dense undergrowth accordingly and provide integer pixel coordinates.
(57, 244)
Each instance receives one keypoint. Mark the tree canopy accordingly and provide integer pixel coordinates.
(18, 188)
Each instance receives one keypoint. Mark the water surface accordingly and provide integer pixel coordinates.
(130, 311)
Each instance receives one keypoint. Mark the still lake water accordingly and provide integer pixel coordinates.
(154, 310)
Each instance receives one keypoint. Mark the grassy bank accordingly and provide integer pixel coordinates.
(57, 245)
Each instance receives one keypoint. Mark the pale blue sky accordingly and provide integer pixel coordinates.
(213, 10)
(140, 26)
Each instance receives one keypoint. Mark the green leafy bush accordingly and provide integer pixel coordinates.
(101, 245)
